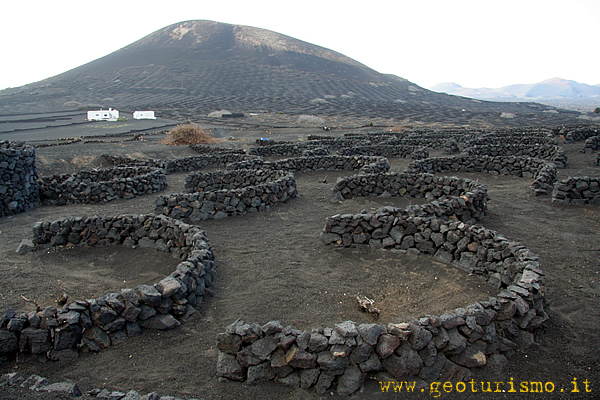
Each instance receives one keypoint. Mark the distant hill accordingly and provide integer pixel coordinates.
(549, 89)
(195, 67)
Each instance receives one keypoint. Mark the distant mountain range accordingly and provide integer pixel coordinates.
(555, 88)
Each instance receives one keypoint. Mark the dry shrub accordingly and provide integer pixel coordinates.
(189, 134)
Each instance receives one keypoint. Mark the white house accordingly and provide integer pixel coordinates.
(143, 115)
(103, 115)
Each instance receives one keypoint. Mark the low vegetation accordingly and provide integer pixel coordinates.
(186, 134)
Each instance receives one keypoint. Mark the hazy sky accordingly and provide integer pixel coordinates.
(480, 43)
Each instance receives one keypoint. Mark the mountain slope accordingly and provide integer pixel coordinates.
(195, 67)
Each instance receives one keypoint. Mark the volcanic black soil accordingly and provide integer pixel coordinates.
(272, 265)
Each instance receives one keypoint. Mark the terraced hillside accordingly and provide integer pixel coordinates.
(195, 67)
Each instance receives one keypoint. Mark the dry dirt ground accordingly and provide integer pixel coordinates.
(272, 265)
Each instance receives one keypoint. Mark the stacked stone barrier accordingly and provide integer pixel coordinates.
(364, 164)
(206, 149)
(432, 348)
(185, 164)
(553, 153)
(514, 139)
(318, 151)
(101, 185)
(451, 147)
(119, 161)
(591, 144)
(227, 194)
(458, 198)
(577, 191)
(578, 133)
(543, 172)
(283, 150)
(19, 185)
(95, 324)
(432, 143)
(340, 143)
(269, 142)
(379, 150)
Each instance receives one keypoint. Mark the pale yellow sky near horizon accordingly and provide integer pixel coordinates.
(471, 42)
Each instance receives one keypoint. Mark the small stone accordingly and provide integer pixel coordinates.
(228, 367)
(386, 345)
(328, 362)
(298, 358)
(308, 377)
(317, 342)
(149, 295)
(229, 343)
(69, 389)
(369, 333)
(350, 381)
(161, 322)
(346, 329)
(473, 356)
(260, 373)
(25, 246)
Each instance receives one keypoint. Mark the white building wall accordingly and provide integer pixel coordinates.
(143, 115)
(103, 115)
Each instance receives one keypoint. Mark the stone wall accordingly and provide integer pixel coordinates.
(283, 149)
(185, 164)
(340, 357)
(577, 191)
(577, 133)
(340, 143)
(543, 172)
(379, 150)
(553, 153)
(102, 185)
(251, 191)
(212, 181)
(206, 149)
(508, 139)
(457, 197)
(591, 144)
(95, 324)
(365, 164)
(19, 185)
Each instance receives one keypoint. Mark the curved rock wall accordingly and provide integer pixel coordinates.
(553, 153)
(185, 164)
(95, 324)
(284, 149)
(19, 185)
(249, 195)
(365, 164)
(101, 186)
(206, 149)
(461, 198)
(577, 133)
(577, 191)
(591, 144)
(379, 150)
(342, 356)
(543, 172)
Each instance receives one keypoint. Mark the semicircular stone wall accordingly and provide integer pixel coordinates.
(94, 324)
(341, 357)
(102, 185)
